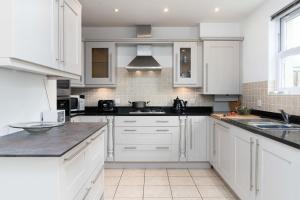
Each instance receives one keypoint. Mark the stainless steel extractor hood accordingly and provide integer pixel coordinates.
(144, 59)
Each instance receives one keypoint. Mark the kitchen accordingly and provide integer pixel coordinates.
(157, 101)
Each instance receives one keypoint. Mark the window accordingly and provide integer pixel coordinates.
(288, 73)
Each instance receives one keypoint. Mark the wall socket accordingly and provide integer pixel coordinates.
(259, 103)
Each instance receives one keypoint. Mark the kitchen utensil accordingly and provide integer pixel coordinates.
(179, 105)
(139, 104)
(106, 105)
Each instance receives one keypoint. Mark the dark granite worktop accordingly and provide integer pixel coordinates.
(54, 143)
(288, 137)
(124, 111)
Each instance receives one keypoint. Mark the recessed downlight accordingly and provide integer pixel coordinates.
(217, 9)
(166, 10)
(116, 10)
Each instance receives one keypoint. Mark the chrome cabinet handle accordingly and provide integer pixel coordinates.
(96, 178)
(130, 130)
(256, 167)
(94, 138)
(161, 121)
(191, 133)
(162, 130)
(87, 192)
(214, 139)
(251, 163)
(206, 79)
(129, 148)
(162, 148)
(77, 152)
(130, 121)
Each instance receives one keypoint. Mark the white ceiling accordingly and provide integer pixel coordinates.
(181, 12)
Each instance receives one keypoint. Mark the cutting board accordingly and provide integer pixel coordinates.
(221, 116)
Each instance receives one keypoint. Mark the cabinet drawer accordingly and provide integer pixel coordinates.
(146, 121)
(97, 181)
(74, 170)
(146, 153)
(146, 135)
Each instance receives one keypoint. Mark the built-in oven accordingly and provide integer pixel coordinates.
(64, 103)
(63, 97)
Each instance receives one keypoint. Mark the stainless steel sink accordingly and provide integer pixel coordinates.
(274, 125)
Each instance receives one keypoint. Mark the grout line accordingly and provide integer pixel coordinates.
(169, 184)
(143, 197)
(118, 184)
(195, 184)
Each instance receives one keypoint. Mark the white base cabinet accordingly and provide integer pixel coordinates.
(196, 139)
(77, 175)
(255, 167)
(146, 139)
(108, 137)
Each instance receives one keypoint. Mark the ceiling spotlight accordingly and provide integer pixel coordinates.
(116, 10)
(217, 9)
(166, 10)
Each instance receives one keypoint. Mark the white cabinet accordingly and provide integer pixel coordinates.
(186, 70)
(243, 144)
(277, 171)
(108, 136)
(100, 67)
(70, 36)
(221, 62)
(146, 139)
(196, 138)
(41, 36)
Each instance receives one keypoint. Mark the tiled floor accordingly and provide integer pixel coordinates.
(165, 184)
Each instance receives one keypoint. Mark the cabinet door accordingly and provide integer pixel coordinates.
(243, 183)
(80, 82)
(196, 139)
(212, 143)
(35, 31)
(185, 64)
(221, 67)
(100, 63)
(70, 50)
(278, 171)
(224, 151)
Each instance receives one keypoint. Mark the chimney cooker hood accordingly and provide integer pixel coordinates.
(144, 59)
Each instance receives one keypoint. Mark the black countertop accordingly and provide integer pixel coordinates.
(288, 137)
(124, 111)
(54, 143)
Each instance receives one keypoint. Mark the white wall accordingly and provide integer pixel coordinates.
(23, 97)
(257, 40)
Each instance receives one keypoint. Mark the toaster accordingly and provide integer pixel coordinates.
(106, 105)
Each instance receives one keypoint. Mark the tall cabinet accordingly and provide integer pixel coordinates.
(100, 68)
(221, 60)
(186, 69)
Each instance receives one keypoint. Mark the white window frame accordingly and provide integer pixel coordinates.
(283, 53)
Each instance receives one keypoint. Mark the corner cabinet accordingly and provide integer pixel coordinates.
(100, 67)
(221, 61)
(41, 37)
(186, 71)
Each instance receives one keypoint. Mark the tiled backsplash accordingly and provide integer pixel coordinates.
(156, 87)
(255, 91)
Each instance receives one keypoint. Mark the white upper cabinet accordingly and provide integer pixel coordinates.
(70, 50)
(100, 67)
(186, 69)
(41, 36)
(221, 67)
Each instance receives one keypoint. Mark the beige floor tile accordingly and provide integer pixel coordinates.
(109, 191)
(157, 198)
(132, 180)
(157, 191)
(156, 181)
(134, 172)
(202, 172)
(181, 180)
(113, 172)
(214, 191)
(198, 198)
(111, 180)
(184, 191)
(209, 181)
(178, 172)
(156, 172)
(127, 199)
(218, 198)
(129, 192)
